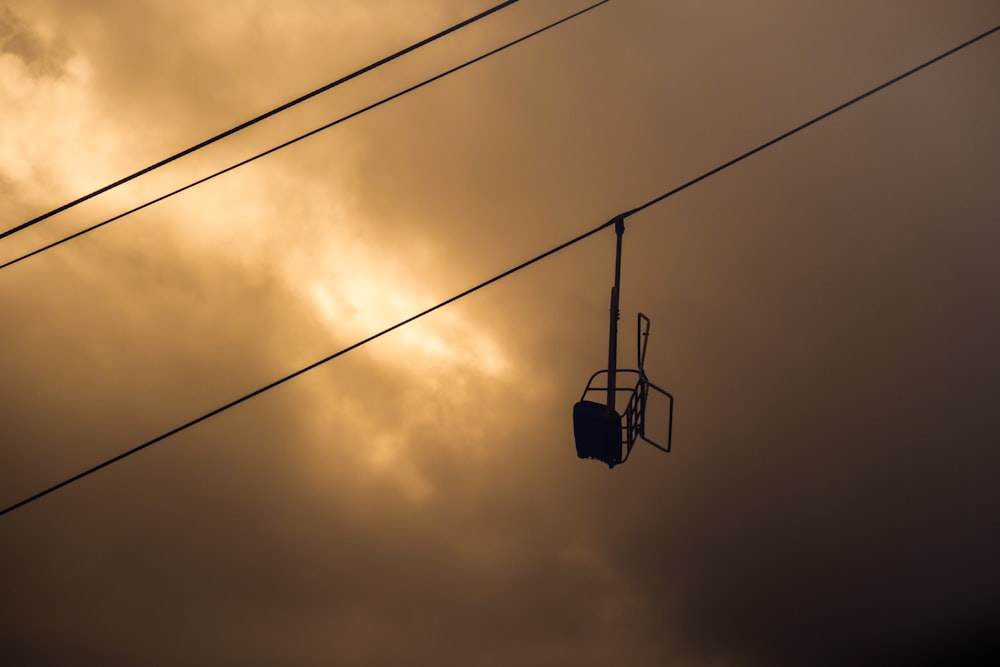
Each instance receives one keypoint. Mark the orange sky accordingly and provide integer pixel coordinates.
(825, 314)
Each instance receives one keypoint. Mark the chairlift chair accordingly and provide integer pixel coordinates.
(600, 431)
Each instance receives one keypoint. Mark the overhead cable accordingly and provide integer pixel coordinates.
(299, 138)
(815, 120)
(253, 121)
(478, 287)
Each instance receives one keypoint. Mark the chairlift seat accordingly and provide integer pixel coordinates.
(597, 429)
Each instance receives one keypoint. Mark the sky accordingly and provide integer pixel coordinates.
(825, 314)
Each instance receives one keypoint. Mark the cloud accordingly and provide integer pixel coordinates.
(823, 313)
(42, 55)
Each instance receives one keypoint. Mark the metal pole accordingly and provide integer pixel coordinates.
(613, 333)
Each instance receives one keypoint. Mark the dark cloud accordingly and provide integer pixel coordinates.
(43, 56)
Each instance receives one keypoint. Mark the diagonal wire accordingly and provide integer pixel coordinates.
(299, 138)
(253, 121)
(315, 364)
(815, 120)
(475, 288)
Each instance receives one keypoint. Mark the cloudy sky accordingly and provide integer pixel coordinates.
(825, 314)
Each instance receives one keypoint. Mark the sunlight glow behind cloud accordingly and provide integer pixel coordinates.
(360, 296)
(36, 129)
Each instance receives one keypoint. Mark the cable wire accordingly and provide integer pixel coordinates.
(475, 288)
(315, 364)
(815, 120)
(253, 121)
(299, 138)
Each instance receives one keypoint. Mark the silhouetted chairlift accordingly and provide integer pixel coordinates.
(601, 432)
